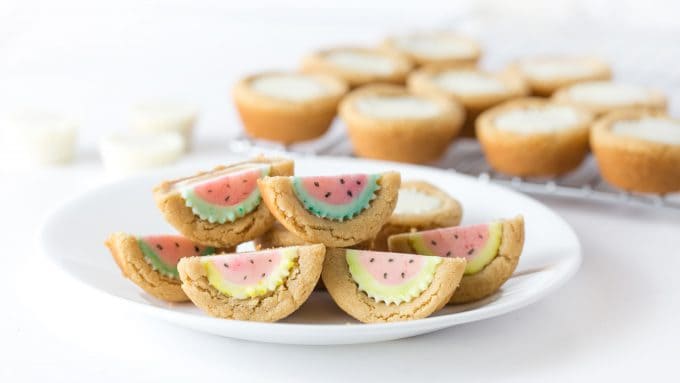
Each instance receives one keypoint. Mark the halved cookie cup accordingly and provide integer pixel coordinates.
(431, 294)
(208, 287)
(448, 212)
(279, 195)
(139, 261)
(477, 283)
(229, 231)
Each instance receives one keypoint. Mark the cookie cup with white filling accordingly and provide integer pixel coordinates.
(547, 74)
(638, 151)
(534, 137)
(288, 107)
(438, 48)
(601, 97)
(390, 123)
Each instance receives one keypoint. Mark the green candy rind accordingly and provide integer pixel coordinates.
(337, 212)
(221, 214)
(157, 263)
(391, 294)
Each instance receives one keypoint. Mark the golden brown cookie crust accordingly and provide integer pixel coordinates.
(130, 259)
(278, 195)
(423, 81)
(451, 61)
(448, 214)
(287, 121)
(656, 102)
(634, 164)
(274, 306)
(316, 63)
(414, 140)
(229, 234)
(350, 299)
(487, 281)
(279, 236)
(537, 154)
(545, 87)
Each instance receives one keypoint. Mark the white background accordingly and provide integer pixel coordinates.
(617, 319)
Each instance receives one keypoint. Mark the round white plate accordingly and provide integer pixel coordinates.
(73, 235)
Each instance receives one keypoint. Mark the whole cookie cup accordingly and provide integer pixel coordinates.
(288, 107)
(439, 48)
(534, 137)
(638, 151)
(390, 123)
(547, 74)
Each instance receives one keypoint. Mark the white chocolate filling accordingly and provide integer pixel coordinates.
(651, 129)
(365, 62)
(435, 45)
(608, 93)
(557, 68)
(161, 117)
(128, 152)
(34, 137)
(547, 119)
(469, 82)
(397, 107)
(412, 201)
(289, 87)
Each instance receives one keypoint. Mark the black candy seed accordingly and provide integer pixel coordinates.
(342, 181)
(316, 184)
(159, 247)
(434, 242)
(455, 236)
(227, 199)
(263, 274)
(245, 277)
(197, 249)
(328, 194)
(448, 253)
(245, 180)
(209, 190)
(226, 265)
(349, 193)
(410, 261)
(252, 262)
(390, 260)
(270, 261)
(480, 236)
(371, 260)
(358, 182)
(403, 275)
(471, 251)
(176, 244)
(385, 276)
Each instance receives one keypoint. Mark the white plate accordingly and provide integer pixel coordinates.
(73, 235)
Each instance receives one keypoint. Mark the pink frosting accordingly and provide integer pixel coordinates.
(171, 248)
(246, 268)
(390, 268)
(335, 190)
(462, 242)
(229, 189)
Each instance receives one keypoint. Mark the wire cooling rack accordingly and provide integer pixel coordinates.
(638, 56)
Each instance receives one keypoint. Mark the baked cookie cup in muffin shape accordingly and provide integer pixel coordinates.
(477, 90)
(288, 107)
(375, 287)
(150, 262)
(338, 211)
(437, 47)
(359, 65)
(263, 286)
(222, 207)
(638, 151)
(547, 74)
(601, 97)
(534, 137)
(420, 206)
(388, 122)
(491, 252)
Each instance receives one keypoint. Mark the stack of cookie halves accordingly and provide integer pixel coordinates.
(384, 250)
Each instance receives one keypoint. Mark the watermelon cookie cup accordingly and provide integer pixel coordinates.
(374, 286)
(288, 107)
(221, 207)
(151, 262)
(547, 74)
(338, 211)
(420, 206)
(388, 122)
(264, 286)
(638, 151)
(475, 89)
(359, 65)
(533, 137)
(491, 250)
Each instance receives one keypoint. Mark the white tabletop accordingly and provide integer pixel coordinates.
(615, 320)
